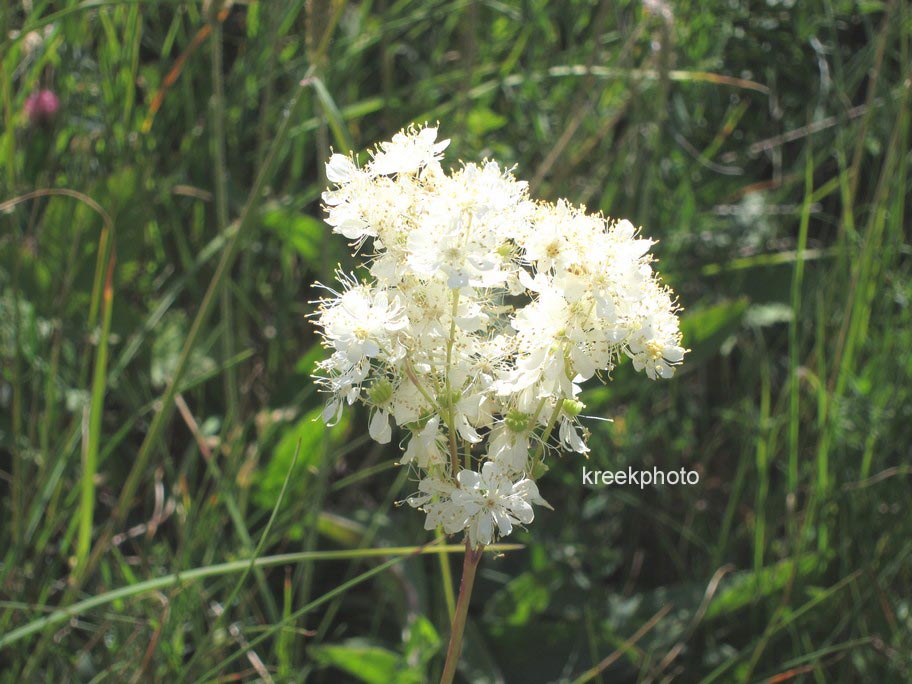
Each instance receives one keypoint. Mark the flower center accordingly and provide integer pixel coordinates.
(654, 350)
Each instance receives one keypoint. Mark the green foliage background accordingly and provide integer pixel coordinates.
(157, 414)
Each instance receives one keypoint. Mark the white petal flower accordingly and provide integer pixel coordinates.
(481, 313)
(490, 499)
(340, 169)
(509, 449)
(348, 221)
(379, 427)
(358, 323)
(434, 497)
(569, 436)
(425, 448)
(408, 152)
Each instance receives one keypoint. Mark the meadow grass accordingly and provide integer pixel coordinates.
(171, 508)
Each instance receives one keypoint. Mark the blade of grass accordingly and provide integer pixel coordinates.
(865, 268)
(181, 578)
(762, 450)
(797, 666)
(364, 541)
(286, 636)
(785, 617)
(92, 439)
(217, 142)
(886, 27)
(226, 494)
(165, 406)
(334, 116)
(780, 621)
(108, 228)
(794, 324)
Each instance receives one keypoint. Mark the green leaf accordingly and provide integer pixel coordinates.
(762, 315)
(366, 662)
(706, 330)
(745, 588)
(253, 19)
(422, 641)
(311, 431)
(482, 120)
(302, 233)
(343, 531)
(522, 599)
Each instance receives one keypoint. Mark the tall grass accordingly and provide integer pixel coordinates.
(158, 238)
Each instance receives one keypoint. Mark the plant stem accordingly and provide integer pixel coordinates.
(217, 141)
(469, 566)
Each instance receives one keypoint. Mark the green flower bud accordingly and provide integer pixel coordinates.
(380, 392)
(453, 399)
(517, 421)
(572, 407)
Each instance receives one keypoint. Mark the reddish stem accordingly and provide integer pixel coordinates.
(469, 566)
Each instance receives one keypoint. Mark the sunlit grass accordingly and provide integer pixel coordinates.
(157, 238)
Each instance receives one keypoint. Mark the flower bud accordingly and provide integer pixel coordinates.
(380, 392)
(41, 106)
(517, 421)
(572, 407)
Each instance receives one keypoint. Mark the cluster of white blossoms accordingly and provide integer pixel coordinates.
(482, 313)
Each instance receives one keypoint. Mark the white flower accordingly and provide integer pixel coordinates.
(482, 313)
(509, 449)
(439, 248)
(348, 221)
(358, 323)
(569, 436)
(654, 346)
(425, 448)
(340, 169)
(379, 427)
(408, 152)
(434, 497)
(658, 359)
(489, 498)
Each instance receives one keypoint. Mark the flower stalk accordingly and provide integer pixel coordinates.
(469, 568)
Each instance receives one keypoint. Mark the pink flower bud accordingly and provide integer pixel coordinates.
(41, 106)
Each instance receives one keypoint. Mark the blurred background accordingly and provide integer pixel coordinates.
(160, 231)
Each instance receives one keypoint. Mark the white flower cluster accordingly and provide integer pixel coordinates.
(482, 314)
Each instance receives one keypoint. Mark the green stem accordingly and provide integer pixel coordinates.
(96, 408)
(546, 435)
(446, 576)
(469, 567)
(449, 417)
(410, 372)
(221, 209)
